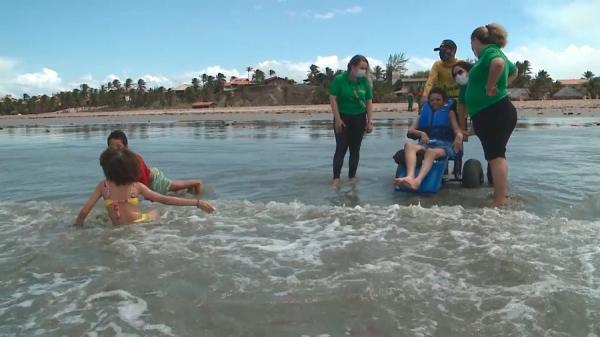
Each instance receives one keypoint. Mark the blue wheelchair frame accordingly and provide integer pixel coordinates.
(436, 176)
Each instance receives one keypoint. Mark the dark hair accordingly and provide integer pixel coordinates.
(120, 166)
(492, 33)
(462, 64)
(437, 90)
(117, 134)
(355, 60)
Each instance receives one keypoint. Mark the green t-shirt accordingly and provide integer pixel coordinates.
(352, 96)
(476, 98)
(461, 93)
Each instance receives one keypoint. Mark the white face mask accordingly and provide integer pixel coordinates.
(360, 73)
(462, 79)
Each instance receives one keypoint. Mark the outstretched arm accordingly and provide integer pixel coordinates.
(89, 204)
(169, 200)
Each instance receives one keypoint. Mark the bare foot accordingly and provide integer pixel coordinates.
(399, 181)
(500, 203)
(335, 182)
(411, 183)
(353, 180)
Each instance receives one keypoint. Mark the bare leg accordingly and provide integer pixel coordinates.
(430, 156)
(410, 157)
(194, 185)
(499, 168)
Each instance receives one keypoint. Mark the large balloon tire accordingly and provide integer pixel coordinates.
(472, 174)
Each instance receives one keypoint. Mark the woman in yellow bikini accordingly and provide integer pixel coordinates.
(120, 191)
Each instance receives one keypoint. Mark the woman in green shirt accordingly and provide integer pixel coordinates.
(494, 116)
(351, 103)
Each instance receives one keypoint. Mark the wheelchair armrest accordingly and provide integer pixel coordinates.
(413, 135)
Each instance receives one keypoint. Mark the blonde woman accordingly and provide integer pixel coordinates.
(494, 116)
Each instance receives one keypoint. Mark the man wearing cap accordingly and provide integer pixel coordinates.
(440, 74)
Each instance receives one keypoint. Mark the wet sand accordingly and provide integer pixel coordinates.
(527, 109)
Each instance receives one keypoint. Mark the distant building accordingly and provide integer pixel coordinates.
(573, 82)
(569, 93)
(518, 94)
(180, 89)
(408, 84)
(238, 82)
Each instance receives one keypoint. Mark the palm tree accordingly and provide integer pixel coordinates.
(271, 73)
(221, 77)
(329, 73)
(141, 85)
(259, 76)
(116, 83)
(249, 69)
(396, 64)
(541, 85)
(378, 73)
(204, 78)
(588, 75)
(128, 84)
(195, 84)
(524, 77)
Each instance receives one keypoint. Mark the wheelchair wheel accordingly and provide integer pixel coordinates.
(472, 174)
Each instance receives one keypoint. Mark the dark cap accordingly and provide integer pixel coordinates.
(448, 44)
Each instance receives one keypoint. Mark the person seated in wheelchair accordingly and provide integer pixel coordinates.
(439, 136)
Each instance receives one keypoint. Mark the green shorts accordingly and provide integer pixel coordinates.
(160, 183)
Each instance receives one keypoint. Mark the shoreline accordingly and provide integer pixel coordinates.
(388, 111)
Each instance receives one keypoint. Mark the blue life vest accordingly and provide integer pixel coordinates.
(436, 124)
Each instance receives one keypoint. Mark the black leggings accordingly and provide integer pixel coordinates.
(494, 125)
(350, 137)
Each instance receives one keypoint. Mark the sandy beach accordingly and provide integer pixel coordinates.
(527, 109)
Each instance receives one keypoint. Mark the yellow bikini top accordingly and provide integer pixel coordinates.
(132, 200)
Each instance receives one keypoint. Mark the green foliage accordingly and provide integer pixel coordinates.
(541, 86)
(523, 80)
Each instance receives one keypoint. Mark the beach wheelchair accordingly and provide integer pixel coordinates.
(469, 175)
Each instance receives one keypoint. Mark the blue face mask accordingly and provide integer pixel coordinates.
(445, 54)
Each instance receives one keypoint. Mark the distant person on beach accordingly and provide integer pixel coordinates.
(410, 98)
(121, 191)
(440, 75)
(460, 73)
(351, 103)
(439, 136)
(494, 116)
(154, 178)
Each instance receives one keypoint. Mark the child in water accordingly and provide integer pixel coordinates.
(121, 191)
(154, 178)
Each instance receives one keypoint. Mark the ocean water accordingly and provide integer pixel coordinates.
(288, 255)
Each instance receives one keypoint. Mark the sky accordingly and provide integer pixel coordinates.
(47, 46)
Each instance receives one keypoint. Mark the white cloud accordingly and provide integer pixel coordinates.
(419, 64)
(354, 10)
(298, 70)
(570, 19)
(155, 81)
(112, 77)
(40, 82)
(569, 62)
(325, 16)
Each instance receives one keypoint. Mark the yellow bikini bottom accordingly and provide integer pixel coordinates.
(145, 217)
